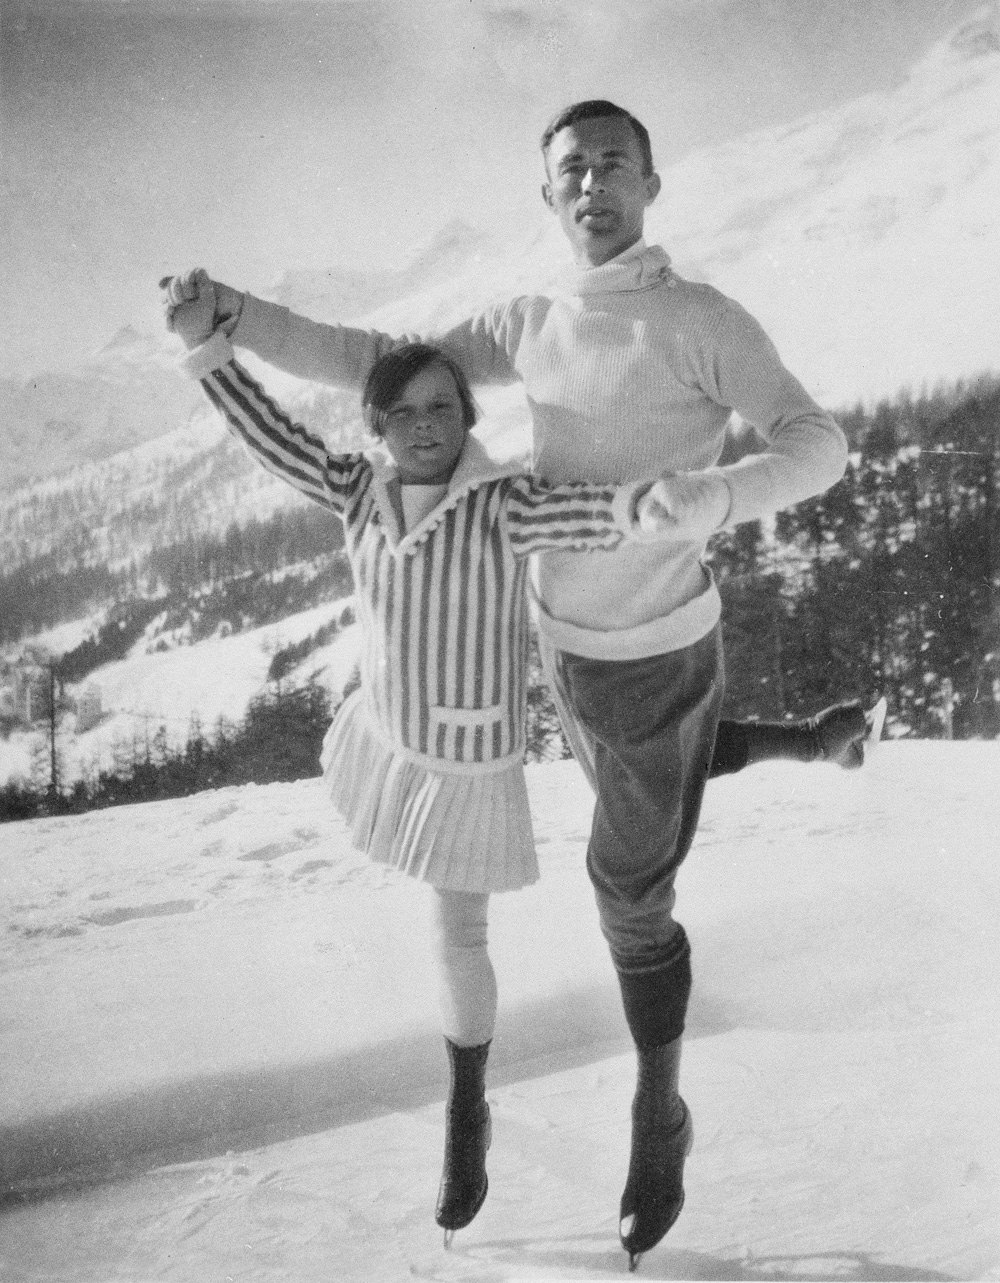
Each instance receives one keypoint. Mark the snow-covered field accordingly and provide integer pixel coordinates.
(220, 1055)
(147, 690)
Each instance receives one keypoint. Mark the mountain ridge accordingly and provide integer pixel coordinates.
(866, 238)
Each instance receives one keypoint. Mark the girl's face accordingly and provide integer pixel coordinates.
(424, 429)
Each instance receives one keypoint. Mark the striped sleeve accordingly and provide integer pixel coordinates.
(578, 516)
(285, 448)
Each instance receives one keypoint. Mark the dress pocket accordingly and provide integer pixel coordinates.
(467, 734)
(447, 716)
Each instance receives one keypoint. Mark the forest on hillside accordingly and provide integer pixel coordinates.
(886, 585)
(252, 573)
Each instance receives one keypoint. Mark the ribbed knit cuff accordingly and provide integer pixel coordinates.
(752, 496)
(655, 1001)
(623, 510)
(726, 522)
(214, 353)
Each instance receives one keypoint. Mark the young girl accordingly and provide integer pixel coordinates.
(425, 759)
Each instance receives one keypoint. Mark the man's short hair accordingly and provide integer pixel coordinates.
(595, 109)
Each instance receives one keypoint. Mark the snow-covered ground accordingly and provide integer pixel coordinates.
(220, 1055)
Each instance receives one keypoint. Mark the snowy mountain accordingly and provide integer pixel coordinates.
(343, 294)
(865, 237)
(129, 392)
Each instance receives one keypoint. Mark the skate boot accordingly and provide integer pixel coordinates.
(839, 735)
(466, 1140)
(845, 732)
(662, 1136)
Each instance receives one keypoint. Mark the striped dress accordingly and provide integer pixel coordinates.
(425, 760)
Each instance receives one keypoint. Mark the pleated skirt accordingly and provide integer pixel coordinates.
(458, 831)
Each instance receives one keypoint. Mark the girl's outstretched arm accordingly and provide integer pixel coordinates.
(574, 516)
(284, 447)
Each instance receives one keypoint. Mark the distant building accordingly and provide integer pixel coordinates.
(88, 708)
(27, 693)
(24, 684)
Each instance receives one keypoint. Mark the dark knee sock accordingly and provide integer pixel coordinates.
(656, 1000)
(794, 740)
(467, 1085)
(731, 751)
(740, 744)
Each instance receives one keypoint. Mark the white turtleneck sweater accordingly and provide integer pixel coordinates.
(629, 371)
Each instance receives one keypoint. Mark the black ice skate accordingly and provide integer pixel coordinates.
(662, 1136)
(468, 1132)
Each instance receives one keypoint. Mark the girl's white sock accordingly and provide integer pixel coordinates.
(467, 986)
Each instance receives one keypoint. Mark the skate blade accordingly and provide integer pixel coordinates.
(448, 1236)
(633, 1261)
(877, 719)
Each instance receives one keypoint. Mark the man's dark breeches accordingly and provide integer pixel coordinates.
(650, 727)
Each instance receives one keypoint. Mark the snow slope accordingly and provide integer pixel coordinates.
(169, 689)
(865, 238)
(218, 1029)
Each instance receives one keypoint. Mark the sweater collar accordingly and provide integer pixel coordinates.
(640, 267)
(477, 464)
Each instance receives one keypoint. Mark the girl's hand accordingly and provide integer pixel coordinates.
(684, 506)
(189, 306)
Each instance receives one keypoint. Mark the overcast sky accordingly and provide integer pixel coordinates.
(141, 136)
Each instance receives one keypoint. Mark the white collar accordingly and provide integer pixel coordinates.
(634, 251)
(476, 465)
(640, 267)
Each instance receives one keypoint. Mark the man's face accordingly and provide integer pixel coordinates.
(598, 187)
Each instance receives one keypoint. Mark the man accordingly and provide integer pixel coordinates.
(629, 372)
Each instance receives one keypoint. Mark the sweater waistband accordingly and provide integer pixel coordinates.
(684, 626)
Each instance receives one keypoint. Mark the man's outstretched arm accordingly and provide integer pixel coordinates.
(343, 355)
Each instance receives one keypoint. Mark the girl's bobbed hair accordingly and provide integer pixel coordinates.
(391, 373)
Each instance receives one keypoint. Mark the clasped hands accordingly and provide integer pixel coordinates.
(683, 506)
(194, 305)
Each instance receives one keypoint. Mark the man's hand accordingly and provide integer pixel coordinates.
(684, 506)
(186, 289)
(189, 306)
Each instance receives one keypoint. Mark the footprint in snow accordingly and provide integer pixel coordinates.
(271, 851)
(129, 913)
